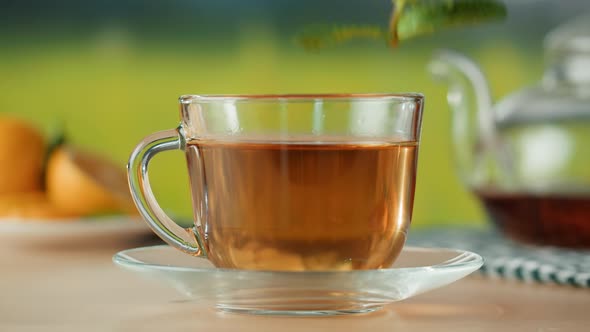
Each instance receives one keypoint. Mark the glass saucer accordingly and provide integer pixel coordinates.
(417, 270)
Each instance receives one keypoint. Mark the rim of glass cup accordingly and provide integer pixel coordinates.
(401, 97)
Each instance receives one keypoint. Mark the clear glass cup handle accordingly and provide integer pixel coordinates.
(185, 239)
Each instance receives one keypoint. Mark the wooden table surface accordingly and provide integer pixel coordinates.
(70, 289)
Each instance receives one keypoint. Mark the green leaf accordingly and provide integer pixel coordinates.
(408, 19)
(421, 17)
(321, 36)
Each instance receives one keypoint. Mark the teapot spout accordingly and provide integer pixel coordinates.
(473, 123)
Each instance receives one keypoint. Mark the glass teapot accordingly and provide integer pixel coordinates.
(528, 156)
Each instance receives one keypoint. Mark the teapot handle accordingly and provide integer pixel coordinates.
(476, 142)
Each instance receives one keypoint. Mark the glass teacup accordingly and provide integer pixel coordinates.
(290, 182)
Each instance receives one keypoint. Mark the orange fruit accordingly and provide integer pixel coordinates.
(22, 149)
(29, 205)
(81, 183)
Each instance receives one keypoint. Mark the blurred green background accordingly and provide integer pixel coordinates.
(112, 71)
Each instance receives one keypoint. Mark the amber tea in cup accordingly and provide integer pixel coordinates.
(291, 182)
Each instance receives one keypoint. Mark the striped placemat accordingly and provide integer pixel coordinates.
(507, 259)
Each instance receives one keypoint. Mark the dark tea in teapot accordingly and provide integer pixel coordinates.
(548, 219)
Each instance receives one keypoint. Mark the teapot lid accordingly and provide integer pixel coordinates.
(573, 36)
(564, 93)
(568, 53)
